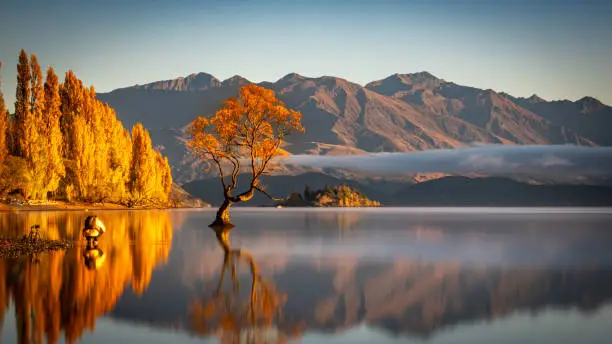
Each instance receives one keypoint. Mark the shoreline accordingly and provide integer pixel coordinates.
(4, 208)
(63, 206)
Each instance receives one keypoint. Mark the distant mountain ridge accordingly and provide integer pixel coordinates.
(192, 82)
(401, 113)
(444, 191)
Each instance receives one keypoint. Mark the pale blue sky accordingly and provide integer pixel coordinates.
(557, 49)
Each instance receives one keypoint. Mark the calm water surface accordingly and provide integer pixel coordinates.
(315, 276)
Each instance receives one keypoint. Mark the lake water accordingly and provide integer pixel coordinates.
(315, 276)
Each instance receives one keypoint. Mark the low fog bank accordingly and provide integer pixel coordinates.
(553, 161)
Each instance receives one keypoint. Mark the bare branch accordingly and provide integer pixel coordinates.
(220, 173)
(267, 194)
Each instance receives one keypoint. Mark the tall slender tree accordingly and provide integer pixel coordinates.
(120, 156)
(37, 94)
(4, 124)
(22, 102)
(166, 171)
(142, 171)
(32, 142)
(52, 132)
(71, 94)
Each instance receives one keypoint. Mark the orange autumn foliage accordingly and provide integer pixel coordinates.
(251, 129)
(4, 125)
(64, 143)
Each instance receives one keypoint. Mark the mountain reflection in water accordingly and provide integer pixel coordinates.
(290, 274)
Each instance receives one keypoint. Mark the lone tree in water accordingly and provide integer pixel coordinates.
(249, 129)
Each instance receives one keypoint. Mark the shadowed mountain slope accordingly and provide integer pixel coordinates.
(445, 191)
(495, 191)
(587, 116)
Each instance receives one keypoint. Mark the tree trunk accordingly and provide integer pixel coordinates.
(222, 219)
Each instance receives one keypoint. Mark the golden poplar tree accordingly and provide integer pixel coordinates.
(120, 156)
(33, 143)
(22, 102)
(142, 172)
(84, 162)
(166, 176)
(62, 139)
(97, 123)
(5, 175)
(163, 178)
(71, 94)
(52, 132)
(4, 125)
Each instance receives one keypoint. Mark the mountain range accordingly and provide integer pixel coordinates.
(401, 113)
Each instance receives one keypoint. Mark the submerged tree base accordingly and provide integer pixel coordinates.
(14, 248)
(221, 224)
(222, 219)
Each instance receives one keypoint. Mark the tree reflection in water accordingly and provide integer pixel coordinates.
(69, 290)
(233, 315)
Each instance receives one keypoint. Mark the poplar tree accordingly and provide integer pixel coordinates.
(120, 156)
(71, 98)
(52, 132)
(13, 171)
(71, 94)
(84, 166)
(142, 171)
(37, 94)
(63, 139)
(97, 124)
(32, 143)
(163, 178)
(4, 125)
(22, 102)
(166, 183)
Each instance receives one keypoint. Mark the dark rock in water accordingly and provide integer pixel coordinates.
(93, 229)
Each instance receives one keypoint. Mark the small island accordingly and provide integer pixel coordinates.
(330, 196)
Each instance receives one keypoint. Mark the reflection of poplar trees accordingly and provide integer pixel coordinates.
(61, 291)
(227, 313)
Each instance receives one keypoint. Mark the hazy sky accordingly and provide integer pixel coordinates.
(557, 49)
